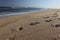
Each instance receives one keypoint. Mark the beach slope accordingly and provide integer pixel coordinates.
(33, 26)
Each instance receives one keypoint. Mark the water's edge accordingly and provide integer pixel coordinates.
(13, 14)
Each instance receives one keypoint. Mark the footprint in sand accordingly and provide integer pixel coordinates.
(19, 29)
(34, 23)
(48, 20)
(56, 37)
(56, 25)
(11, 38)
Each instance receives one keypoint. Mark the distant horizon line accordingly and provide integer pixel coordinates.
(26, 7)
(18, 7)
(21, 7)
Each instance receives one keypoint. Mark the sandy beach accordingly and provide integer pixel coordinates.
(33, 26)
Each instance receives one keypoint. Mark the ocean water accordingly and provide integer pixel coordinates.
(15, 11)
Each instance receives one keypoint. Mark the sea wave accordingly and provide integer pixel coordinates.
(12, 14)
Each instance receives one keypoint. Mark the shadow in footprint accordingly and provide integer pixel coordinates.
(48, 20)
(56, 25)
(34, 23)
(19, 29)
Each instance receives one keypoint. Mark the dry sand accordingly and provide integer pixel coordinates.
(34, 26)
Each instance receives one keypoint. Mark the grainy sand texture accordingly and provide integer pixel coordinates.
(33, 26)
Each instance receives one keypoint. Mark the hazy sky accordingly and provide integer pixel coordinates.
(31, 3)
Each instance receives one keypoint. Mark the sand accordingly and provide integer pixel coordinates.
(33, 26)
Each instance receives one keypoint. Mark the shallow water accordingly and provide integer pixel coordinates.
(11, 12)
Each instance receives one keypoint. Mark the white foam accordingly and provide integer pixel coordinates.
(11, 14)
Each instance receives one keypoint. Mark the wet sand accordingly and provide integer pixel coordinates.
(34, 26)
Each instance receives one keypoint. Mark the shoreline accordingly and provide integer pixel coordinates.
(20, 13)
